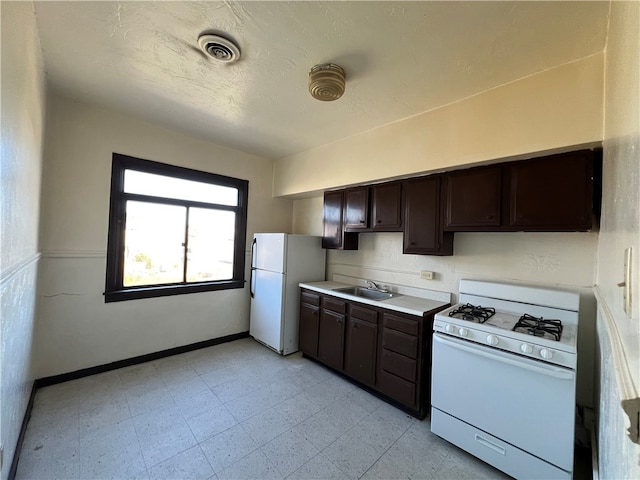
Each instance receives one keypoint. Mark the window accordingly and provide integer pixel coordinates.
(173, 230)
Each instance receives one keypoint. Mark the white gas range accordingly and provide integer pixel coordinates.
(504, 376)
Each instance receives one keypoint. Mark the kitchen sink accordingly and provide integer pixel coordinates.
(366, 293)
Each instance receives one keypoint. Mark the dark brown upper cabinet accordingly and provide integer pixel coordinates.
(473, 199)
(386, 207)
(333, 234)
(423, 233)
(553, 193)
(546, 194)
(356, 215)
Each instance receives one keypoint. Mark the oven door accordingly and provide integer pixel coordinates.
(525, 403)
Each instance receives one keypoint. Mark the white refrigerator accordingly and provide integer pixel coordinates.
(279, 262)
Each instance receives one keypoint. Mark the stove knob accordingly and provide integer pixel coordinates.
(546, 354)
(492, 340)
(526, 348)
(463, 332)
(449, 328)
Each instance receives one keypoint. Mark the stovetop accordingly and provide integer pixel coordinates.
(497, 331)
(488, 313)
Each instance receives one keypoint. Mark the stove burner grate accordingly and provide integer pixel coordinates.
(473, 313)
(539, 327)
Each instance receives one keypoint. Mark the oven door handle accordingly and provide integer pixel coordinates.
(550, 371)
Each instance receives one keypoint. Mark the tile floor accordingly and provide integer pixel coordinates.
(233, 411)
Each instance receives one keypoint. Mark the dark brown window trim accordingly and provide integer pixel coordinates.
(114, 289)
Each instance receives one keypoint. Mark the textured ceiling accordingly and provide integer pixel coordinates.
(400, 58)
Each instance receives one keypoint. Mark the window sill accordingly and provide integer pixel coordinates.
(136, 293)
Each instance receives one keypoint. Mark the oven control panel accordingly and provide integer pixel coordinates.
(527, 348)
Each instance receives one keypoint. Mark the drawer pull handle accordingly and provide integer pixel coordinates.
(496, 448)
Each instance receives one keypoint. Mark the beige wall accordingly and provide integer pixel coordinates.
(76, 329)
(619, 334)
(546, 111)
(23, 112)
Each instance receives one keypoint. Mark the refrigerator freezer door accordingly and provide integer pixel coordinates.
(268, 252)
(266, 321)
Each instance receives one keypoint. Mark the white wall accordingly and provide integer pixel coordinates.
(559, 107)
(76, 329)
(619, 334)
(23, 111)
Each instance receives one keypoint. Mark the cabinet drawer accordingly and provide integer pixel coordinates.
(399, 365)
(335, 305)
(365, 314)
(397, 388)
(310, 298)
(402, 324)
(399, 342)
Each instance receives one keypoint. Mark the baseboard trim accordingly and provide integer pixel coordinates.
(23, 430)
(85, 372)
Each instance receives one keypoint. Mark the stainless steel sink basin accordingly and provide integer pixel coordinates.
(366, 293)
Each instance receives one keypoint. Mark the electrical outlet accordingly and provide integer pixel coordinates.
(426, 275)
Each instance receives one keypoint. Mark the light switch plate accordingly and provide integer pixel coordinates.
(626, 292)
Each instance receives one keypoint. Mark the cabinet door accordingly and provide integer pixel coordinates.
(553, 193)
(332, 220)
(331, 338)
(473, 199)
(308, 329)
(361, 348)
(423, 232)
(386, 206)
(333, 235)
(356, 208)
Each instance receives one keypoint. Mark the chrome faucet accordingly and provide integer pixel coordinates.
(374, 286)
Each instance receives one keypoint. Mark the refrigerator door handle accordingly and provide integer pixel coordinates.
(254, 244)
(253, 252)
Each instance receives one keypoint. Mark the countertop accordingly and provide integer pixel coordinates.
(401, 303)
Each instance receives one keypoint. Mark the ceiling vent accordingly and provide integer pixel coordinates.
(219, 48)
(326, 82)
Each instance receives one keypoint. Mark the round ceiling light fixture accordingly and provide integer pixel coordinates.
(219, 48)
(326, 82)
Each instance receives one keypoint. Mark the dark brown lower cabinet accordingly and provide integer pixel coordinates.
(362, 344)
(404, 352)
(308, 329)
(331, 336)
(384, 351)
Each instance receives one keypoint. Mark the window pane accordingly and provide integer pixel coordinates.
(211, 245)
(161, 186)
(154, 238)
